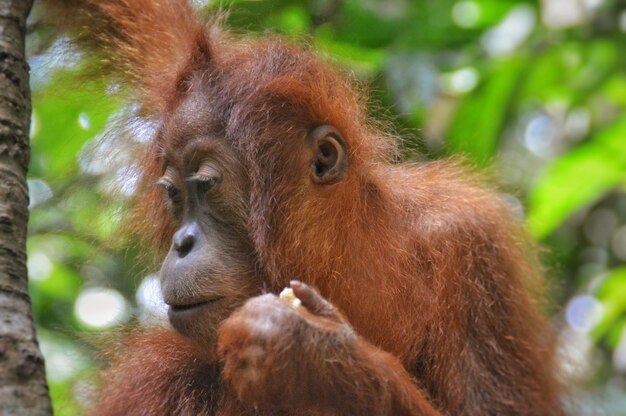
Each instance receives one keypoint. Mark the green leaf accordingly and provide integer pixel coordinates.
(612, 295)
(294, 20)
(569, 72)
(479, 120)
(67, 114)
(615, 90)
(578, 178)
(363, 25)
(364, 60)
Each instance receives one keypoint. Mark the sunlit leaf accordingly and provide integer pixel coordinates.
(615, 333)
(612, 294)
(615, 89)
(578, 178)
(293, 20)
(478, 123)
(357, 19)
(66, 118)
(62, 284)
(361, 59)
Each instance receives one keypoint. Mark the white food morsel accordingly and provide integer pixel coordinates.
(288, 296)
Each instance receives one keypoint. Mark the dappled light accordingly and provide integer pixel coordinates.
(99, 308)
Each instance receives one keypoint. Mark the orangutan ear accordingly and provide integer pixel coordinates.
(329, 155)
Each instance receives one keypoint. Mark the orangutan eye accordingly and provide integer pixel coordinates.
(167, 182)
(206, 184)
(207, 177)
(171, 192)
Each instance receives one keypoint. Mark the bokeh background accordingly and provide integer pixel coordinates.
(534, 92)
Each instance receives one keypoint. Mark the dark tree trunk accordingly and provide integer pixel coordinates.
(23, 388)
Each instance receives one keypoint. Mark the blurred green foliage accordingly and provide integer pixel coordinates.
(534, 92)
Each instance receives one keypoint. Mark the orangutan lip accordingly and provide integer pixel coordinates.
(192, 306)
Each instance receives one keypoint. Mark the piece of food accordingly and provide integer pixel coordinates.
(288, 296)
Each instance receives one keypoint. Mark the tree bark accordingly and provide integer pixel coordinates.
(23, 388)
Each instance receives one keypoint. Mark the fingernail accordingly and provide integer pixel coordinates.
(295, 283)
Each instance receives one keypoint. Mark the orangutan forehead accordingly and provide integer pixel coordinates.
(192, 117)
(194, 150)
(193, 133)
(192, 124)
